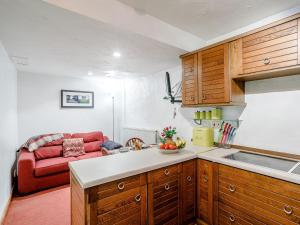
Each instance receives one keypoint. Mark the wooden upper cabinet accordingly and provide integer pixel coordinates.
(190, 80)
(267, 51)
(214, 75)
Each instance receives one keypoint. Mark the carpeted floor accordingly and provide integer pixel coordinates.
(50, 207)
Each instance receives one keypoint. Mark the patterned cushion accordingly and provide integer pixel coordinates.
(73, 147)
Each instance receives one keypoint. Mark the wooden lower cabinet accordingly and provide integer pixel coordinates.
(256, 199)
(120, 202)
(164, 195)
(188, 191)
(205, 191)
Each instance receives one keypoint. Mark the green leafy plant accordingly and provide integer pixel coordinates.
(167, 133)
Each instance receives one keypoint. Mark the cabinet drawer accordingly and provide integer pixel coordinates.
(228, 215)
(160, 175)
(270, 200)
(115, 187)
(123, 208)
(273, 48)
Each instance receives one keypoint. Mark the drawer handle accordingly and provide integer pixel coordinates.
(167, 187)
(121, 186)
(203, 97)
(205, 178)
(189, 178)
(267, 61)
(138, 198)
(232, 188)
(232, 218)
(192, 98)
(288, 209)
(167, 172)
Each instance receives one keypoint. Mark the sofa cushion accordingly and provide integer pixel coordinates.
(89, 137)
(111, 145)
(59, 141)
(48, 152)
(92, 146)
(53, 165)
(89, 155)
(73, 147)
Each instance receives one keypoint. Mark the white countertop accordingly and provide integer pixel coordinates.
(96, 171)
(217, 156)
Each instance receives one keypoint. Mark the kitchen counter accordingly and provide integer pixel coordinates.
(218, 155)
(96, 171)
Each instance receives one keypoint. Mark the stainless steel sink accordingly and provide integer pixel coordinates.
(266, 161)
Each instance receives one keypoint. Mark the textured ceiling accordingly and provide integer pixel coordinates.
(57, 41)
(209, 19)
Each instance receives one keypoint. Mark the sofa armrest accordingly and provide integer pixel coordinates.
(26, 166)
(105, 138)
(26, 160)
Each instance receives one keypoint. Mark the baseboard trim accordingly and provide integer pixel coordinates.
(2, 217)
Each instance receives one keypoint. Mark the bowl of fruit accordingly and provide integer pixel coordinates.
(168, 145)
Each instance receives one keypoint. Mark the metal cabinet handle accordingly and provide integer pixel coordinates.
(121, 186)
(288, 209)
(232, 218)
(205, 178)
(138, 198)
(189, 178)
(232, 188)
(167, 187)
(167, 172)
(267, 60)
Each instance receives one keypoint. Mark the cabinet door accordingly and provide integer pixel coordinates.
(214, 75)
(205, 191)
(272, 48)
(125, 208)
(190, 80)
(164, 197)
(188, 191)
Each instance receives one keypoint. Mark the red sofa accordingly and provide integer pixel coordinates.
(46, 167)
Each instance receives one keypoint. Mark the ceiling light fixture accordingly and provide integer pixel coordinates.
(90, 73)
(117, 54)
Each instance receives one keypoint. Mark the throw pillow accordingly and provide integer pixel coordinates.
(73, 147)
(111, 145)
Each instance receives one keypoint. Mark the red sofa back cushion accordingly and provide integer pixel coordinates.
(59, 141)
(92, 146)
(48, 152)
(89, 137)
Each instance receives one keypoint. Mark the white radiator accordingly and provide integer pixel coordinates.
(147, 135)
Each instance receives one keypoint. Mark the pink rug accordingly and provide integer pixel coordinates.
(50, 207)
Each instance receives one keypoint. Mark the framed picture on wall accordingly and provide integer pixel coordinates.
(76, 99)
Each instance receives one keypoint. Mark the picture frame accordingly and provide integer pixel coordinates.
(76, 99)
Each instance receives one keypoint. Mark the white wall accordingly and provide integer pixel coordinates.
(269, 121)
(39, 109)
(8, 126)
